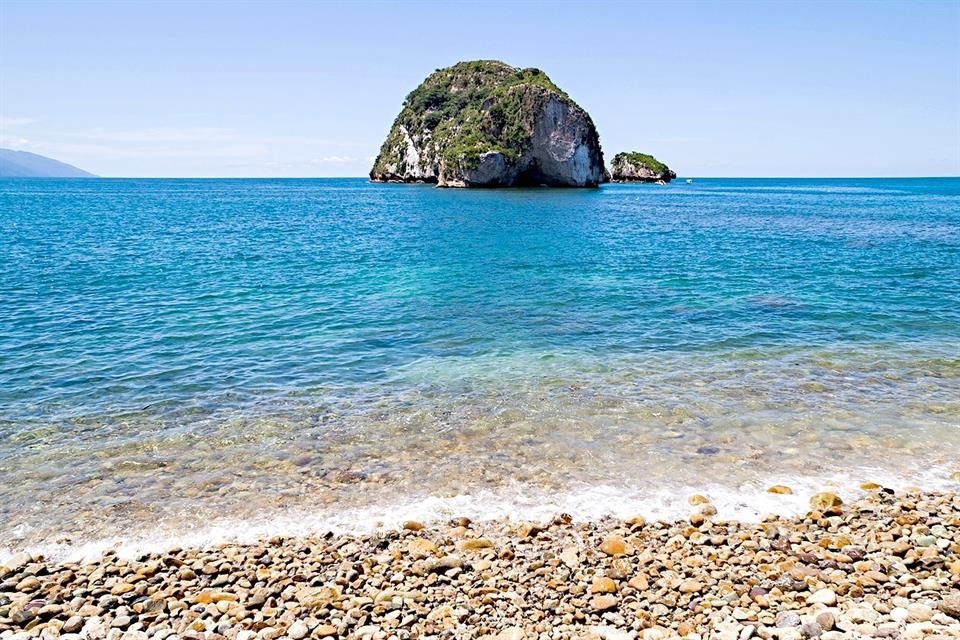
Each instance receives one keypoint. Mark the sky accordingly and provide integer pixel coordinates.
(310, 88)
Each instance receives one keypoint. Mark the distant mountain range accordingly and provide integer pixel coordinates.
(23, 164)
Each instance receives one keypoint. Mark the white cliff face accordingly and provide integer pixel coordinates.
(626, 171)
(493, 170)
(559, 154)
(560, 148)
(410, 165)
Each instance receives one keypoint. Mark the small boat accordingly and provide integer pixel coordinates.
(689, 180)
(661, 182)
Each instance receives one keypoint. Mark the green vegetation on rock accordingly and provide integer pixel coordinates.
(643, 160)
(639, 167)
(469, 109)
(462, 112)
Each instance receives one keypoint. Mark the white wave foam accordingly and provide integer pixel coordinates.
(747, 503)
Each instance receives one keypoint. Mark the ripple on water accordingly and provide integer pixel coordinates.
(180, 357)
(659, 433)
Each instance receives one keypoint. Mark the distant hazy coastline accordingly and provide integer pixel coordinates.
(23, 164)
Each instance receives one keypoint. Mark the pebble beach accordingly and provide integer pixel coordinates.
(883, 566)
(311, 330)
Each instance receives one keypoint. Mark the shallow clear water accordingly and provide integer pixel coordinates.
(180, 355)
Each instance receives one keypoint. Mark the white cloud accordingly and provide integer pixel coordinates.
(13, 141)
(160, 135)
(190, 150)
(307, 164)
(6, 121)
(145, 151)
(334, 160)
(190, 134)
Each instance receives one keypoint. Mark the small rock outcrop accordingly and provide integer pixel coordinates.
(639, 167)
(487, 124)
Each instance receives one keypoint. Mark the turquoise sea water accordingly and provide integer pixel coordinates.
(176, 353)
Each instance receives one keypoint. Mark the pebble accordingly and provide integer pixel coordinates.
(475, 544)
(72, 625)
(512, 633)
(298, 630)
(788, 619)
(28, 585)
(603, 602)
(862, 614)
(570, 557)
(919, 613)
(826, 502)
(951, 605)
(603, 585)
(690, 586)
(823, 596)
(21, 616)
(17, 561)
(121, 622)
(620, 568)
(639, 582)
(780, 489)
(930, 584)
(613, 546)
(528, 530)
(422, 548)
(870, 570)
(826, 621)
(213, 597)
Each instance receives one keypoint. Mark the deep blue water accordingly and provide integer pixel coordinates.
(132, 310)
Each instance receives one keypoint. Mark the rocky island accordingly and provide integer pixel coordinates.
(639, 167)
(487, 124)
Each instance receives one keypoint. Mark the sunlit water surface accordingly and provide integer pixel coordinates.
(188, 359)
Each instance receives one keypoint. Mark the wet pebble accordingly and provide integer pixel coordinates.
(860, 572)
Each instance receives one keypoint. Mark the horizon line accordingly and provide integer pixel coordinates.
(677, 179)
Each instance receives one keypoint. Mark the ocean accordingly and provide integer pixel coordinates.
(183, 361)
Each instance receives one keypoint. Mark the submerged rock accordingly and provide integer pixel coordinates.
(828, 503)
(487, 124)
(639, 167)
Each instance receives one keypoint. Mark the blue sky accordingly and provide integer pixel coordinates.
(311, 88)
